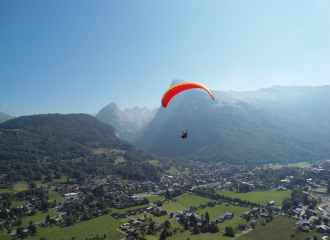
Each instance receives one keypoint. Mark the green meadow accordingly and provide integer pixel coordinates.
(88, 229)
(153, 162)
(155, 198)
(301, 165)
(115, 210)
(202, 236)
(172, 207)
(5, 190)
(7, 237)
(187, 200)
(39, 216)
(18, 203)
(261, 197)
(280, 228)
(21, 186)
(56, 196)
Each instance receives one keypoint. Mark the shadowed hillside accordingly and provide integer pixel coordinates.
(279, 124)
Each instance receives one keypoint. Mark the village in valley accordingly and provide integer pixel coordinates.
(191, 199)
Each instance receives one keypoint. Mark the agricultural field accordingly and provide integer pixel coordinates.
(202, 236)
(88, 229)
(7, 237)
(172, 207)
(18, 203)
(280, 228)
(261, 197)
(115, 210)
(39, 216)
(56, 196)
(301, 165)
(21, 186)
(155, 198)
(187, 200)
(5, 190)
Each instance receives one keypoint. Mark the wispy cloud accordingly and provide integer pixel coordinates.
(4, 106)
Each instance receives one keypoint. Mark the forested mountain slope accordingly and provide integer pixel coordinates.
(56, 136)
(279, 124)
(54, 144)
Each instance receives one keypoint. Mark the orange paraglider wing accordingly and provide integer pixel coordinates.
(180, 87)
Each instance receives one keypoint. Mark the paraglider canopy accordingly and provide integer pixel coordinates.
(180, 87)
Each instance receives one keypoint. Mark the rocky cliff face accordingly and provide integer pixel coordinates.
(128, 123)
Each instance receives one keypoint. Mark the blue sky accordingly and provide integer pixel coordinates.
(78, 56)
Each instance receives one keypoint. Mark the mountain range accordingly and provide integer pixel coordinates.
(5, 117)
(128, 123)
(271, 125)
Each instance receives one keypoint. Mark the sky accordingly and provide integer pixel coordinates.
(78, 56)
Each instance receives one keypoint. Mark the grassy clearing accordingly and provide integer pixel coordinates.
(39, 216)
(155, 198)
(104, 150)
(261, 197)
(172, 207)
(301, 165)
(62, 179)
(56, 196)
(279, 228)
(120, 159)
(99, 150)
(41, 184)
(172, 170)
(153, 162)
(88, 229)
(5, 190)
(243, 237)
(21, 186)
(202, 236)
(115, 210)
(19, 203)
(188, 200)
(7, 237)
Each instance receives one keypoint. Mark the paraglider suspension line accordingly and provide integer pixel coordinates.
(177, 121)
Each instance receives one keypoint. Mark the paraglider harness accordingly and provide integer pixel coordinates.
(184, 134)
